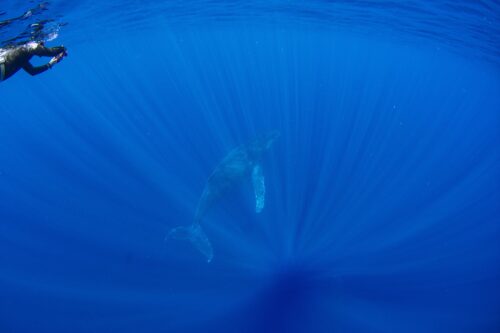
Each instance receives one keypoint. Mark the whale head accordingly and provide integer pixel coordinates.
(269, 138)
(261, 144)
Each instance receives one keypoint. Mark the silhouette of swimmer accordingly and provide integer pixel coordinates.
(12, 59)
(241, 162)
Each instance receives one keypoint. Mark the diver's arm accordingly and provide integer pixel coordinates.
(36, 70)
(40, 69)
(43, 51)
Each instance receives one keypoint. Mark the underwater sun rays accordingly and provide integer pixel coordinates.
(380, 191)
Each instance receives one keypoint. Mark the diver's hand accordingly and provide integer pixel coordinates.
(56, 59)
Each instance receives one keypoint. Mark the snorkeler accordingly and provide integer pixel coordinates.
(14, 58)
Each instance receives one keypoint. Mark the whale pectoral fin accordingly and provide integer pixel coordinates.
(259, 188)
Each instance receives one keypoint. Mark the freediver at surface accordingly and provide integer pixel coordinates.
(241, 162)
(12, 59)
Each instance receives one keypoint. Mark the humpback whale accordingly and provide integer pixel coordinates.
(240, 163)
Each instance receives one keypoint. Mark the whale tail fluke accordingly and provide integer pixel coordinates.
(195, 234)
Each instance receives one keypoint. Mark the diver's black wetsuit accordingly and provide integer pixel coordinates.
(20, 57)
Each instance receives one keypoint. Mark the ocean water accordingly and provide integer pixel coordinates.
(382, 204)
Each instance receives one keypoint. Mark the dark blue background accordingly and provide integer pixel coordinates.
(383, 190)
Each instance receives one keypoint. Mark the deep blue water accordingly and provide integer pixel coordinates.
(383, 191)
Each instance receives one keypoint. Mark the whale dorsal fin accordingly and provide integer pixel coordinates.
(259, 187)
